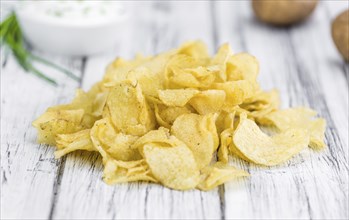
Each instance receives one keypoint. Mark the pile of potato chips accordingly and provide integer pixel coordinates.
(175, 118)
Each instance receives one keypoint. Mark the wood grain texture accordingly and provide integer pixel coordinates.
(300, 61)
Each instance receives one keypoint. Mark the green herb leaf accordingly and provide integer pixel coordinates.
(11, 36)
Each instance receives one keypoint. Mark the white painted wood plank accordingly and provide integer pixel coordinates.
(28, 170)
(82, 193)
(314, 184)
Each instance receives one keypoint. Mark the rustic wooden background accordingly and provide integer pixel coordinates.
(300, 61)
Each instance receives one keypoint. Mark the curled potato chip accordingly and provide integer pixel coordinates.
(113, 144)
(196, 77)
(67, 143)
(174, 166)
(195, 49)
(176, 97)
(126, 171)
(99, 104)
(242, 66)
(261, 104)
(86, 102)
(220, 60)
(149, 81)
(236, 91)
(209, 101)
(199, 134)
(225, 141)
(259, 148)
(217, 174)
(299, 118)
(166, 115)
(129, 111)
(55, 122)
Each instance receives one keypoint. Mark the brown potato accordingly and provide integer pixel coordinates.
(340, 34)
(283, 12)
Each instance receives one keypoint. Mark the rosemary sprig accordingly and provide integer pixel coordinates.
(11, 36)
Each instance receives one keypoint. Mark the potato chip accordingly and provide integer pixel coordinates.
(126, 171)
(225, 141)
(174, 166)
(236, 91)
(208, 101)
(196, 77)
(149, 81)
(67, 143)
(165, 118)
(259, 148)
(217, 174)
(129, 111)
(225, 120)
(299, 118)
(166, 115)
(56, 122)
(198, 134)
(220, 60)
(242, 66)
(195, 49)
(177, 97)
(117, 145)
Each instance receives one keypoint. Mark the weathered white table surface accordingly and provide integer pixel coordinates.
(300, 61)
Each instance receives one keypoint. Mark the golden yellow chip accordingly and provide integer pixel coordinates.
(166, 115)
(129, 110)
(113, 144)
(177, 97)
(209, 101)
(220, 60)
(217, 174)
(55, 122)
(67, 143)
(126, 171)
(149, 81)
(242, 66)
(173, 165)
(199, 134)
(236, 91)
(195, 49)
(299, 118)
(259, 148)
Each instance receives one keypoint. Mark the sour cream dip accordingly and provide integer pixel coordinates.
(75, 28)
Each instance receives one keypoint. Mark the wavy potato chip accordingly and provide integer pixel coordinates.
(149, 81)
(55, 122)
(299, 118)
(174, 166)
(208, 101)
(129, 111)
(67, 143)
(236, 91)
(126, 171)
(166, 115)
(259, 148)
(113, 144)
(195, 49)
(242, 66)
(199, 134)
(177, 97)
(220, 60)
(217, 174)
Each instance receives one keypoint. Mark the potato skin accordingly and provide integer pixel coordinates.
(340, 33)
(282, 12)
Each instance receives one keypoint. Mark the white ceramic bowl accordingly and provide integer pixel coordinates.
(71, 35)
